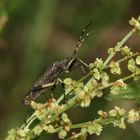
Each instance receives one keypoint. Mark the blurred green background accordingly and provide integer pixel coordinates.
(35, 33)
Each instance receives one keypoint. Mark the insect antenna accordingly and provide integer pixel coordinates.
(81, 39)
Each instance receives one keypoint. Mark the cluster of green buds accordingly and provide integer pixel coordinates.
(83, 93)
(66, 126)
(136, 23)
(119, 116)
(118, 86)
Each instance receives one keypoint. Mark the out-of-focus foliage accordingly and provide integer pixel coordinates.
(3, 18)
(34, 33)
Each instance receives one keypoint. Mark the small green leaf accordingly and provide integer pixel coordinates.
(138, 60)
(68, 81)
(65, 118)
(105, 79)
(91, 65)
(131, 65)
(51, 129)
(99, 63)
(96, 74)
(110, 50)
(37, 130)
(126, 50)
(120, 123)
(115, 90)
(138, 18)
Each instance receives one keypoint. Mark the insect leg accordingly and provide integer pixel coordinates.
(82, 68)
(59, 80)
(53, 87)
(62, 84)
(55, 83)
(65, 100)
(82, 62)
(73, 66)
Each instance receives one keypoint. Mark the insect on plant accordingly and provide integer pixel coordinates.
(51, 77)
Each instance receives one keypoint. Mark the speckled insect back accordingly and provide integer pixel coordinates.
(50, 77)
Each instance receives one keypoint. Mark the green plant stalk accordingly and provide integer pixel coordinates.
(118, 46)
(102, 121)
(124, 58)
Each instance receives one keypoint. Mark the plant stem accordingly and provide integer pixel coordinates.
(118, 46)
(124, 58)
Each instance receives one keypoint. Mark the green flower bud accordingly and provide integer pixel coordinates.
(133, 116)
(95, 128)
(51, 129)
(115, 68)
(68, 81)
(131, 65)
(110, 50)
(126, 50)
(62, 134)
(37, 130)
(86, 101)
(65, 118)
